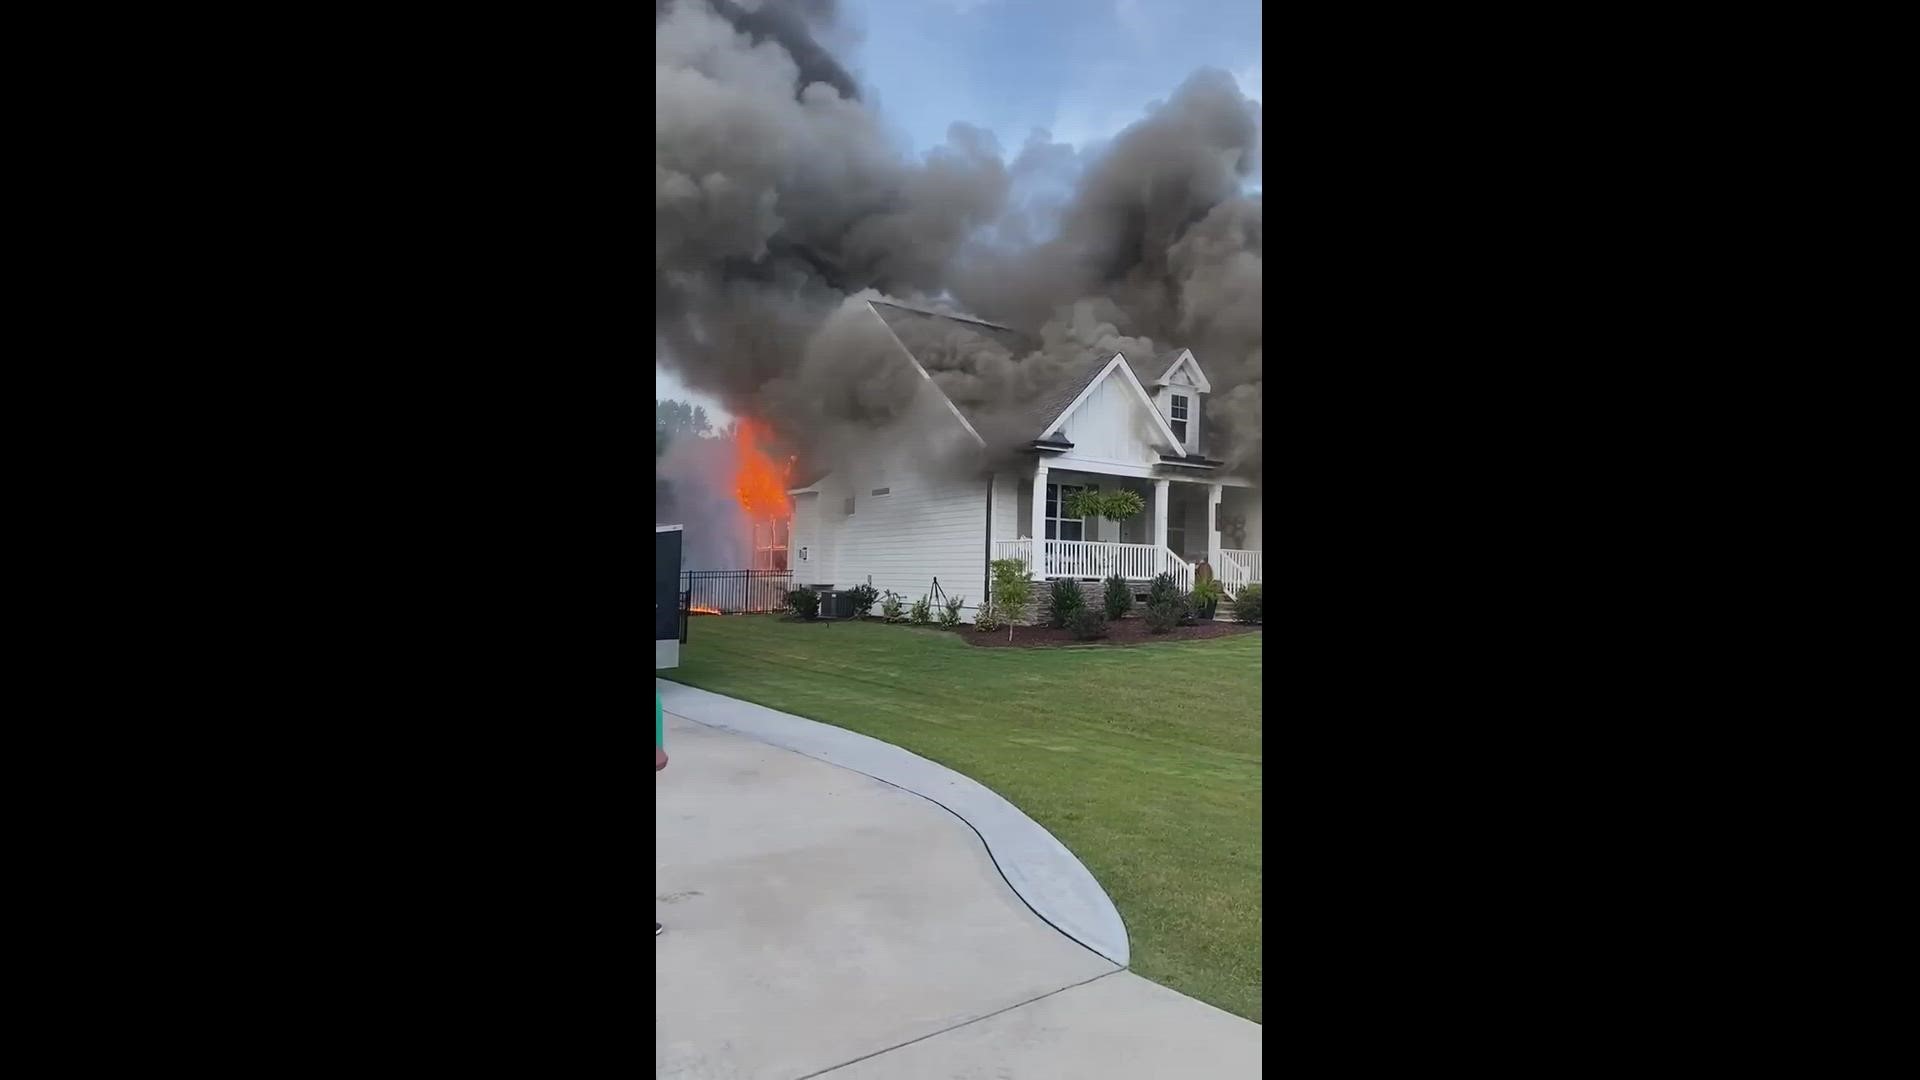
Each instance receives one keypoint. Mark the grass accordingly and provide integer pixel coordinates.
(1144, 761)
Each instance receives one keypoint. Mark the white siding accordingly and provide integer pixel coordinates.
(1112, 425)
(1009, 512)
(806, 534)
(924, 527)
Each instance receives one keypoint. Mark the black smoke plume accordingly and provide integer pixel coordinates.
(781, 205)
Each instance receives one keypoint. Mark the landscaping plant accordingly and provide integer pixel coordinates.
(950, 618)
(1163, 615)
(890, 606)
(922, 612)
(804, 603)
(1162, 590)
(1066, 599)
(1088, 623)
(1012, 590)
(1112, 505)
(1119, 598)
(862, 598)
(986, 618)
(1250, 605)
(1206, 591)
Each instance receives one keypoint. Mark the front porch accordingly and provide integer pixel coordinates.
(1185, 522)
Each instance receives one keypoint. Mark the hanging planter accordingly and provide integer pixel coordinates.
(1115, 506)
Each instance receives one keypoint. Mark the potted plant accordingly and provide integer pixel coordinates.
(1206, 596)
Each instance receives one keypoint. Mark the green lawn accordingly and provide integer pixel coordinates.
(1145, 761)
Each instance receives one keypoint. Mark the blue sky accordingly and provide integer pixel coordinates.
(1081, 69)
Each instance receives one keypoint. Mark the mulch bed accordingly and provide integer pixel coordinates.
(1124, 632)
(1132, 631)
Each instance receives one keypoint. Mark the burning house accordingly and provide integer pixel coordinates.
(959, 342)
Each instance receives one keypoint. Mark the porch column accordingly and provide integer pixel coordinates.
(1160, 488)
(1213, 528)
(1040, 517)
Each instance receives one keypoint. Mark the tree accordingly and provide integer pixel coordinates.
(672, 419)
(1012, 588)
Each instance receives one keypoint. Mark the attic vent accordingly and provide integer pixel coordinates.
(882, 491)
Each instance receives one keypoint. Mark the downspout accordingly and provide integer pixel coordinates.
(986, 564)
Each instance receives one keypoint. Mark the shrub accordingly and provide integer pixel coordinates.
(950, 618)
(890, 606)
(1162, 590)
(1205, 590)
(1012, 589)
(1119, 598)
(986, 618)
(922, 612)
(863, 597)
(804, 603)
(1066, 599)
(1088, 623)
(1163, 615)
(1249, 606)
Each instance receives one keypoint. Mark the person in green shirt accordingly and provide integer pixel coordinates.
(659, 753)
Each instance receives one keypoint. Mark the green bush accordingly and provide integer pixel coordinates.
(890, 606)
(1250, 605)
(1088, 623)
(950, 617)
(1162, 590)
(1065, 599)
(922, 612)
(1119, 598)
(804, 603)
(1163, 615)
(863, 597)
(986, 618)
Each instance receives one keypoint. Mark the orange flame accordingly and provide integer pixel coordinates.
(704, 610)
(760, 483)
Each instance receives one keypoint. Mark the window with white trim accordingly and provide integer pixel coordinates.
(770, 545)
(1059, 525)
(1179, 414)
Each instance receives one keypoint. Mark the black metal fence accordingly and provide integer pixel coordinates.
(733, 592)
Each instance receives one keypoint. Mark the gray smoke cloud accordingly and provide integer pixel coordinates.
(782, 206)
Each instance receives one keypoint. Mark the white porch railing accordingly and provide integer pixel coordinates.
(1239, 567)
(1015, 549)
(1098, 559)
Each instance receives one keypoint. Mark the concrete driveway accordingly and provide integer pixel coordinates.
(823, 922)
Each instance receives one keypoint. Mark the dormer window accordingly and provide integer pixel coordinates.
(1179, 417)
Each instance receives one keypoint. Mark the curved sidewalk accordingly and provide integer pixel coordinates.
(1038, 867)
(824, 921)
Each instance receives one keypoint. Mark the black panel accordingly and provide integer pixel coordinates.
(666, 586)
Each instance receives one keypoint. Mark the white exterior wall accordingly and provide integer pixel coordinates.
(1009, 513)
(1111, 426)
(804, 532)
(925, 527)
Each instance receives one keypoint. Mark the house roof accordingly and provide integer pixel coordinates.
(956, 344)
